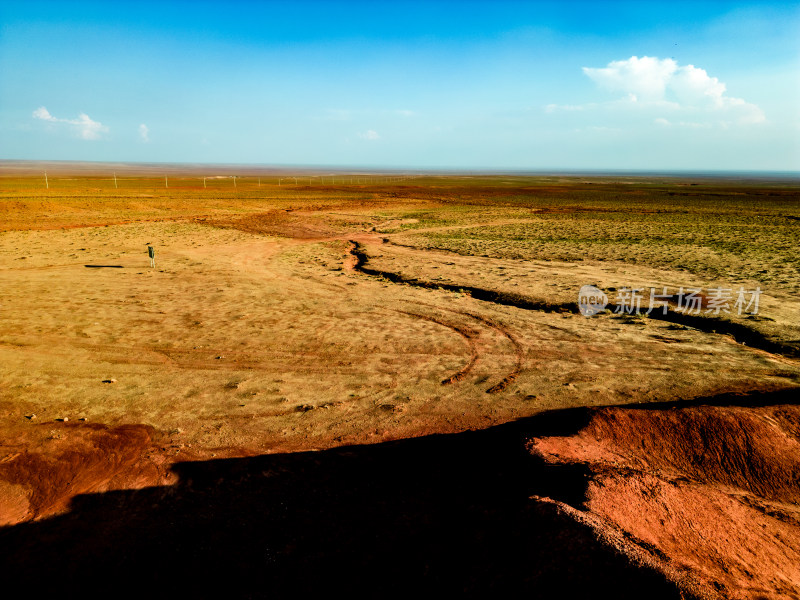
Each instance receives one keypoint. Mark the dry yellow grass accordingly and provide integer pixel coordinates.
(282, 319)
(255, 334)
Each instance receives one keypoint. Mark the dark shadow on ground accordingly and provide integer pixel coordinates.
(446, 515)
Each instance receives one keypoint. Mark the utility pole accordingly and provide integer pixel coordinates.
(46, 184)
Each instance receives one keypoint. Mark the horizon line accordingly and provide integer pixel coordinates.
(30, 164)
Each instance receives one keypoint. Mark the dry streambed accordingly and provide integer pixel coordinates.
(239, 344)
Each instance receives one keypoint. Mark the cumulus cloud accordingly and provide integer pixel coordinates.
(369, 134)
(644, 77)
(144, 132)
(84, 127)
(657, 85)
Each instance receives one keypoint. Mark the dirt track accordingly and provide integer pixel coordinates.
(319, 335)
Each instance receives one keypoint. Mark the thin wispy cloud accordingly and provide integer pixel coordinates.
(567, 107)
(84, 127)
(144, 133)
(43, 114)
(336, 114)
(369, 134)
(346, 114)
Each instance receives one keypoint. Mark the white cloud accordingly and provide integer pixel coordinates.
(369, 134)
(144, 132)
(661, 86)
(88, 129)
(84, 127)
(694, 125)
(692, 86)
(644, 77)
(336, 114)
(551, 108)
(346, 114)
(43, 114)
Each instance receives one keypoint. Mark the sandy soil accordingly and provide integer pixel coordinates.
(305, 329)
(708, 493)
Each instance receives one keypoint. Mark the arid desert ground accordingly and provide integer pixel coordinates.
(384, 382)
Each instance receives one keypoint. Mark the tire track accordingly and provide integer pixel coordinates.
(507, 299)
(519, 353)
(740, 332)
(469, 336)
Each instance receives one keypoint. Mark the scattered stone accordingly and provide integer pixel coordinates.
(218, 357)
(109, 381)
(64, 420)
(305, 407)
(83, 419)
(30, 417)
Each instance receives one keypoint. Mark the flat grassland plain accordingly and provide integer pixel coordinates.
(383, 382)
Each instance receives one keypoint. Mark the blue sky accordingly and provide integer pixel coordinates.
(470, 85)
